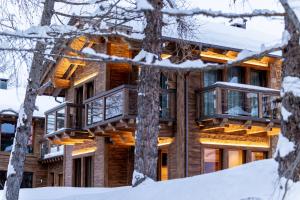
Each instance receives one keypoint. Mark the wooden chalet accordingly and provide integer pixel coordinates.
(35, 173)
(209, 121)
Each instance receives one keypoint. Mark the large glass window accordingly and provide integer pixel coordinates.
(3, 84)
(258, 78)
(26, 181)
(212, 160)
(236, 98)
(235, 158)
(211, 77)
(7, 136)
(256, 155)
(164, 97)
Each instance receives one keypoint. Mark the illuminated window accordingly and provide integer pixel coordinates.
(212, 160)
(164, 167)
(235, 158)
(256, 155)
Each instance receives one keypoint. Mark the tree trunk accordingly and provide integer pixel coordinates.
(18, 153)
(146, 150)
(289, 165)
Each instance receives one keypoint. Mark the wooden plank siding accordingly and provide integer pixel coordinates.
(32, 163)
(113, 161)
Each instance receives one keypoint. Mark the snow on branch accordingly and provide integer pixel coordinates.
(80, 3)
(146, 59)
(143, 5)
(211, 13)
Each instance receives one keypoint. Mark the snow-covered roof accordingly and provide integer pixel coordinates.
(12, 98)
(219, 35)
(4, 75)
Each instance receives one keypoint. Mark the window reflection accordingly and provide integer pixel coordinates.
(7, 136)
(212, 160)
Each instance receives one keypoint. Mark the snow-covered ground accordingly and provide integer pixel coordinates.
(253, 181)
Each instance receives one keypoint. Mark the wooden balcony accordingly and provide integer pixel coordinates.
(51, 153)
(116, 109)
(63, 121)
(230, 101)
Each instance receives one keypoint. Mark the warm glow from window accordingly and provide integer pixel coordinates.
(234, 143)
(258, 156)
(235, 158)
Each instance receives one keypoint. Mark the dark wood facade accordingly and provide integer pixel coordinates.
(203, 127)
(35, 173)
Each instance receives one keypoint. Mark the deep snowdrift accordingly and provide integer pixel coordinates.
(254, 181)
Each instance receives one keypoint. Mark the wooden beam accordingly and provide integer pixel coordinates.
(61, 83)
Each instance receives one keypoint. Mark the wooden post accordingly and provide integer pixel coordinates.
(180, 132)
(99, 162)
(218, 101)
(125, 101)
(248, 156)
(68, 165)
(67, 117)
(224, 159)
(260, 105)
(104, 108)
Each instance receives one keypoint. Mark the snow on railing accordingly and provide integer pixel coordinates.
(54, 152)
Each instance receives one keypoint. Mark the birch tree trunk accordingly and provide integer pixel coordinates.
(289, 162)
(146, 149)
(23, 130)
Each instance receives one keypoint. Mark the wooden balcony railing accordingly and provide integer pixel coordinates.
(121, 103)
(49, 150)
(231, 100)
(65, 117)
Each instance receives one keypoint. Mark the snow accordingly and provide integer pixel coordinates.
(143, 5)
(284, 146)
(291, 84)
(12, 98)
(88, 50)
(4, 75)
(54, 152)
(251, 87)
(285, 114)
(256, 181)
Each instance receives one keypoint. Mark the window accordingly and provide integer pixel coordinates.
(256, 155)
(236, 99)
(164, 166)
(7, 136)
(235, 75)
(26, 182)
(60, 180)
(211, 77)
(258, 78)
(89, 90)
(3, 84)
(235, 158)
(164, 97)
(88, 171)
(51, 179)
(212, 160)
(77, 172)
